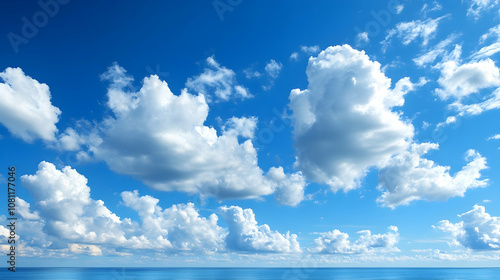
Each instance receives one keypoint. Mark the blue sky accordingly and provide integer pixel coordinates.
(249, 133)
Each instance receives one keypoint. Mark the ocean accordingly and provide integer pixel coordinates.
(252, 273)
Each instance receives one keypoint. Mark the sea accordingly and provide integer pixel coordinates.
(252, 273)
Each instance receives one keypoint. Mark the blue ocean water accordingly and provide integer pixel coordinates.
(253, 273)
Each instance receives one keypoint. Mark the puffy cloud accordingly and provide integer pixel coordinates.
(477, 230)
(477, 7)
(459, 81)
(179, 227)
(337, 242)
(70, 221)
(63, 198)
(408, 177)
(160, 138)
(245, 235)
(362, 38)
(290, 188)
(218, 80)
(23, 209)
(294, 56)
(25, 107)
(69, 216)
(410, 31)
(344, 123)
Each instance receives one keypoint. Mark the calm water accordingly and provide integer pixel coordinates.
(252, 273)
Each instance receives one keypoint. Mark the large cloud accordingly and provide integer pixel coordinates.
(478, 230)
(409, 177)
(246, 235)
(344, 123)
(337, 242)
(69, 215)
(25, 107)
(160, 138)
(70, 221)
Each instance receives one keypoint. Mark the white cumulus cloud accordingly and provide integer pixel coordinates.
(25, 107)
(408, 177)
(344, 122)
(246, 235)
(69, 219)
(160, 138)
(467, 84)
(477, 230)
(337, 242)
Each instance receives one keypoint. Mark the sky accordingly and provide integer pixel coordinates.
(251, 133)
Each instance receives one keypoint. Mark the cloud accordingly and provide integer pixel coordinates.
(449, 120)
(362, 38)
(309, 49)
(494, 137)
(478, 7)
(290, 187)
(477, 230)
(344, 123)
(160, 138)
(426, 8)
(245, 235)
(337, 242)
(399, 8)
(461, 81)
(493, 35)
(434, 52)
(25, 107)
(408, 32)
(91, 250)
(216, 80)
(408, 177)
(69, 221)
(68, 215)
(273, 68)
(179, 227)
